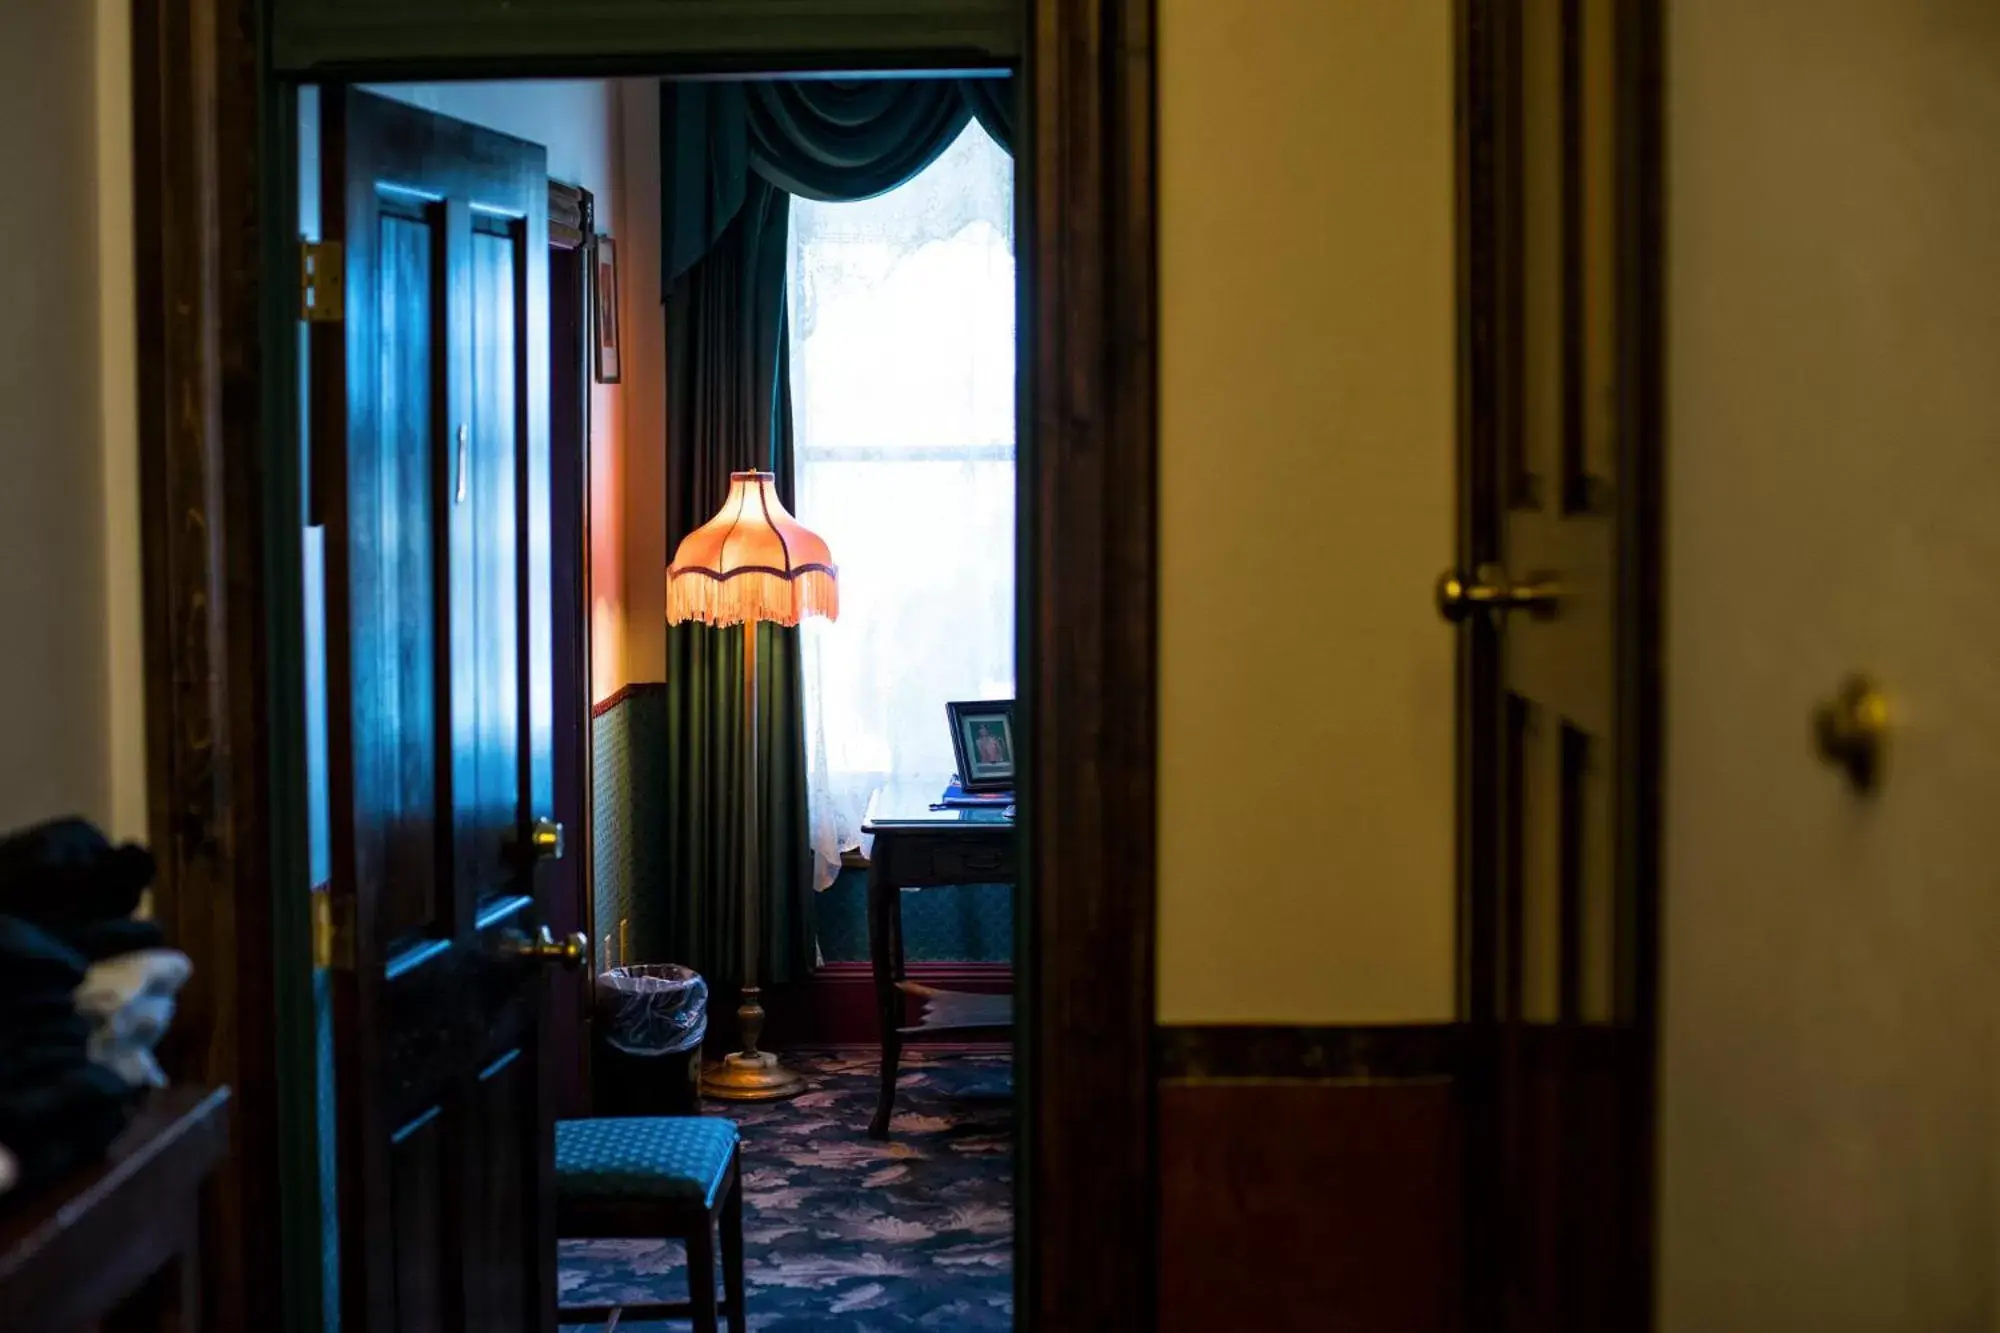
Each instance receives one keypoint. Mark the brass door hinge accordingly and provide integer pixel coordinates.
(333, 931)
(322, 282)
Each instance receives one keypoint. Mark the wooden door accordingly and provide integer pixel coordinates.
(431, 412)
(1829, 1119)
(1558, 596)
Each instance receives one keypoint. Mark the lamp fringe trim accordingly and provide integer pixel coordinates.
(752, 594)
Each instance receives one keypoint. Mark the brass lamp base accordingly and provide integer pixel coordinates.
(753, 1076)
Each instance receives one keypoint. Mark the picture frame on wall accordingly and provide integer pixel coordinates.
(604, 308)
(982, 740)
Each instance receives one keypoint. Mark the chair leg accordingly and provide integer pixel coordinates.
(701, 1278)
(732, 1250)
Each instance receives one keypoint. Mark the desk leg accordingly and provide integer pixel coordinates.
(885, 952)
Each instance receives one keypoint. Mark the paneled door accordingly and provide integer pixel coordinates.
(431, 463)
(1556, 594)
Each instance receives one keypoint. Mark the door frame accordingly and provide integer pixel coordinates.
(1487, 66)
(221, 498)
(572, 247)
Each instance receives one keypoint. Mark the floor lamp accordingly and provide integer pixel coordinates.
(752, 562)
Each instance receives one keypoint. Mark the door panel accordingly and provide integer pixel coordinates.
(429, 415)
(1561, 710)
(1828, 1099)
(486, 582)
(392, 594)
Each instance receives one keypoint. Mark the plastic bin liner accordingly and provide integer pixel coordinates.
(652, 1008)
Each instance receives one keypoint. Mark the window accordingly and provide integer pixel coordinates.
(902, 374)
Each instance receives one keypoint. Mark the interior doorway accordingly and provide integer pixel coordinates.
(877, 1182)
(1092, 1124)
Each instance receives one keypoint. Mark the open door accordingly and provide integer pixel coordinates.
(1557, 592)
(431, 476)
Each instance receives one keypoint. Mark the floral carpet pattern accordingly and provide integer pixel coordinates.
(844, 1234)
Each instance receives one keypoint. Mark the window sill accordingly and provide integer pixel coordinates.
(852, 859)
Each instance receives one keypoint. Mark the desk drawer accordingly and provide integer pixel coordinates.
(920, 860)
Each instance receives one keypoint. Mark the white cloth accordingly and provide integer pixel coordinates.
(901, 313)
(129, 999)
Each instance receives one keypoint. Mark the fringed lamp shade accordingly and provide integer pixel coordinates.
(753, 561)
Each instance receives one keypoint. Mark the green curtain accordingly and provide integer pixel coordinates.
(838, 140)
(704, 170)
(830, 139)
(732, 156)
(728, 410)
(992, 104)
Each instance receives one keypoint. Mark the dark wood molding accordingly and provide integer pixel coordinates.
(496, 38)
(624, 692)
(1374, 1053)
(219, 518)
(1089, 481)
(572, 213)
(220, 487)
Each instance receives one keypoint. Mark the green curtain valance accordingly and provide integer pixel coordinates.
(828, 139)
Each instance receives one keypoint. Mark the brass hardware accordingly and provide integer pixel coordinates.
(1852, 731)
(332, 931)
(750, 1076)
(545, 840)
(1491, 589)
(464, 465)
(322, 282)
(544, 947)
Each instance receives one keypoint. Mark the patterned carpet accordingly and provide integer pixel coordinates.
(843, 1234)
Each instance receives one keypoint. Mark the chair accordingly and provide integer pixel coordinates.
(675, 1177)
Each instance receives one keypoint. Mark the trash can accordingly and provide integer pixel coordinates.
(651, 1019)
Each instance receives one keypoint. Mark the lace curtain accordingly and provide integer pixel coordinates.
(901, 318)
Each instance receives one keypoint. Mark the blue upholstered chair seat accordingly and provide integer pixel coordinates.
(679, 1158)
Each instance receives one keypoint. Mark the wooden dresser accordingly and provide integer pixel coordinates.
(116, 1244)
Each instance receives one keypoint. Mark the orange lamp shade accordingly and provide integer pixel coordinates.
(752, 561)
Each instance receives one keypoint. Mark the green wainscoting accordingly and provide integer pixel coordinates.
(628, 826)
(959, 923)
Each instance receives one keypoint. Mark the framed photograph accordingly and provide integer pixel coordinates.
(604, 307)
(982, 737)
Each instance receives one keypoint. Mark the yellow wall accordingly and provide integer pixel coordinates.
(1306, 373)
(72, 732)
(118, 422)
(645, 330)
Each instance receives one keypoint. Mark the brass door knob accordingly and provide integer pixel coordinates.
(545, 840)
(1491, 589)
(546, 948)
(1852, 731)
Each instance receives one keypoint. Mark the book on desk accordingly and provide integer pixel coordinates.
(956, 797)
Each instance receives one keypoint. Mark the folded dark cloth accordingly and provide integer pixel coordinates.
(62, 1120)
(33, 962)
(66, 872)
(95, 941)
(66, 900)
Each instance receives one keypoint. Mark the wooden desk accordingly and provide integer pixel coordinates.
(920, 848)
(118, 1241)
